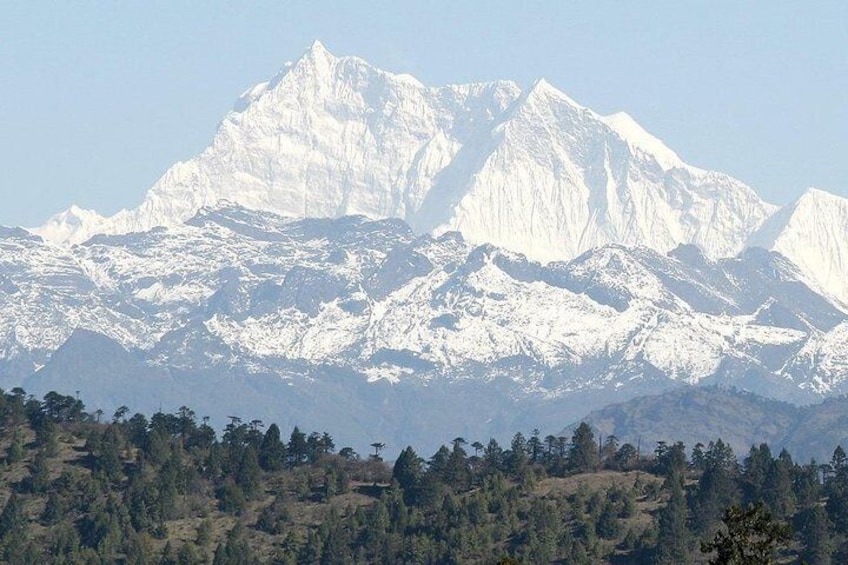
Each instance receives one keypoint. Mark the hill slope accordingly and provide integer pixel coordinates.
(739, 418)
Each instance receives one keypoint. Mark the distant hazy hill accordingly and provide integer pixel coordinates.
(691, 414)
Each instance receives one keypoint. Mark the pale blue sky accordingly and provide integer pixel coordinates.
(97, 99)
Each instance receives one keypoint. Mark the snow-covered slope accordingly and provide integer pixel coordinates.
(559, 180)
(72, 225)
(812, 232)
(375, 298)
(44, 294)
(531, 171)
(825, 357)
(237, 303)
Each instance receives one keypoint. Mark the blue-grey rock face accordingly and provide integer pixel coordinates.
(7, 286)
(399, 267)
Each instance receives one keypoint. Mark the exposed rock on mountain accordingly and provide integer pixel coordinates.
(365, 311)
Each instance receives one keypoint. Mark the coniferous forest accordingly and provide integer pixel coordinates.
(80, 487)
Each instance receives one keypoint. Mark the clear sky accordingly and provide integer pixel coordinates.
(97, 99)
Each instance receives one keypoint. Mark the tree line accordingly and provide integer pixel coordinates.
(80, 488)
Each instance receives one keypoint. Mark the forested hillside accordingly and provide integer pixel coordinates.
(78, 487)
(740, 418)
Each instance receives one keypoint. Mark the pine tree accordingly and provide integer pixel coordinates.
(249, 474)
(15, 451)
(750, 537)
(516, 458)
(492, 456)
(716, 489)
(272, 452)
(231, 498)
(12, 519)
(806, 486)
(407, 472)
(46, 437)
(837, 490)
(296, 448)
(670, 461)
(583, 455)
(755, 472)
(609, 526)
(39, 475)
(204, 533)
(778, 493)
(236, 551)
(673, 535)
(169, 555)
(187, 555)
(816, 536)
(458, 472)
(65, 541)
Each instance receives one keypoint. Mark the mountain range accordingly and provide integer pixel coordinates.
(357, 251)
(529, 170)
(358, 324)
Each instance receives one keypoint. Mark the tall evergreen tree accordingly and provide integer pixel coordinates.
(516, 458)
(836, 489)
(755, 472)
(673, 535)
(407, 472)
(272, 451)
(750, 537)
(716, 489)
(12, 519)
(583, 455)
(778, 493)
(492, 456)
(816, 537)
(296, 448)
(249, 473)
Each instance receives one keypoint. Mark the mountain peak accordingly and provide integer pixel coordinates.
(541, 84)
(73, 225)
(534, 172)
(638, 138)
(318, 52)
(318, 47)
(543, 89)
(811, 201)
(315, 60)
(810, 232)
(813, 194)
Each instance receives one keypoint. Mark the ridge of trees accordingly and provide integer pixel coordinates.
(76, 487)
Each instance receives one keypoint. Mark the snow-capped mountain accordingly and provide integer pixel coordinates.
(813, 233)
(529, 170)
(352, 237)
(341, 310)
